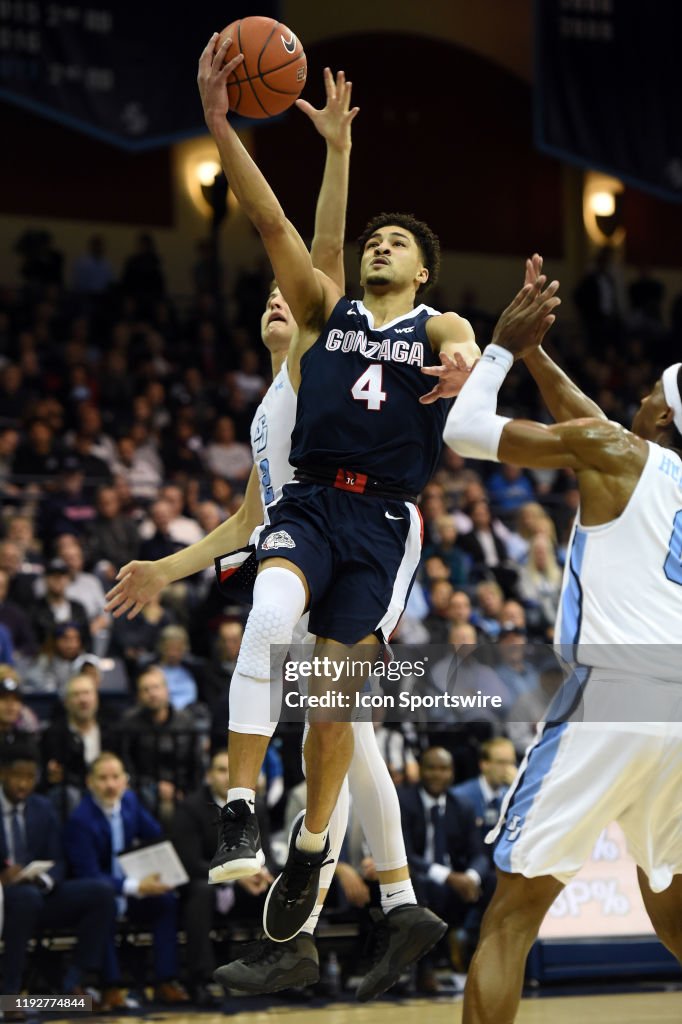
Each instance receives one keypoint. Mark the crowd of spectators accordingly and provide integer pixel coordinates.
(124, 430)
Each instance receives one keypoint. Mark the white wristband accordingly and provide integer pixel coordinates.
(473, 427)
(496, 354)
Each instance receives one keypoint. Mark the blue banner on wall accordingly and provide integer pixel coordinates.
(123, 72)
(608, 90)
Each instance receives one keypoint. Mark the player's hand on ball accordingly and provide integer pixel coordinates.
(453, 374)
(334, 120)
(212, 78)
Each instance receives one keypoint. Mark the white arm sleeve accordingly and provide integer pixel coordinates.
(473, 428)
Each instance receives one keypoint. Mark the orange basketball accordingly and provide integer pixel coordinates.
(273, 72)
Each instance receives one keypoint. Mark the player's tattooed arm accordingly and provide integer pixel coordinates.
(333, 122)
(563, 398)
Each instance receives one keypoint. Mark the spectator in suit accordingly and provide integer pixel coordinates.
(31, 831)
(484, 794)
(108, 820)
(448, 864)
(72, 742)
(193, 832)
(487, 548)
(161, 746)
(56, 608)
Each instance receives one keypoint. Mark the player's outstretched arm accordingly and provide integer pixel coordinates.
(140, 582)
(453, 338)
(474, 429)
(333, 122)
(563, 398)
(300, 284)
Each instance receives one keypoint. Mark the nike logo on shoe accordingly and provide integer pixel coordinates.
(389, 516)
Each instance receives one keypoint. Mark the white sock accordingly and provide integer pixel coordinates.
(397, 894)
(311, 842)
(311, 924)
(241, 793)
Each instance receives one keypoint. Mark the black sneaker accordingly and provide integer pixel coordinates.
(268, 966)
(239, 853)
(399, 938)
(293, 894)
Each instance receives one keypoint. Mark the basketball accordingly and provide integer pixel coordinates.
(273, 72)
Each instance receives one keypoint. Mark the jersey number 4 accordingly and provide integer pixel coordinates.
(367, 387)
(673, 563)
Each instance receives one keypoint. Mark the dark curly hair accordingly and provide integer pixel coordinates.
(427, 241)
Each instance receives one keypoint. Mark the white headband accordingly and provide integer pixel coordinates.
(671, 393)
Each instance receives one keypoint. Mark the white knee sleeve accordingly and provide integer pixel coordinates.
(375, 800)
(278, 603)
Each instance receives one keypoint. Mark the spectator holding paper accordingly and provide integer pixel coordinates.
(108, 820)
(32, 870)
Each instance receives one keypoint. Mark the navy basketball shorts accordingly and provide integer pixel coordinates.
(358, 553)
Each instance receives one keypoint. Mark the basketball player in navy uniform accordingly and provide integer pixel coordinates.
(279, 965)
(344, 538)
(620, 615)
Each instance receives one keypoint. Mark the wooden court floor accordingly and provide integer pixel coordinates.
(647, 1008)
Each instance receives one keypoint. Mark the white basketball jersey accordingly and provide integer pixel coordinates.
(621, 601)
(271, 438)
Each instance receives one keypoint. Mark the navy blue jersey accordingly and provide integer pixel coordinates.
(358, 402)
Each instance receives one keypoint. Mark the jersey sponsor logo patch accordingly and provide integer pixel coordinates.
(403, 330)
(280, 539)
(389, 516)
(513, 827)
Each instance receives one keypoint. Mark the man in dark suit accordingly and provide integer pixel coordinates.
(108, 820)
(445, 853)
(484, 794)
(73, 741)
(194, 833)
(30, 831)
